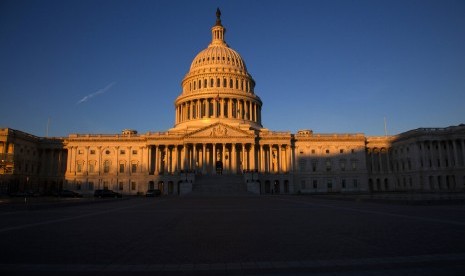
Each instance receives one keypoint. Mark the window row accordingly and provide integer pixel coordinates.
(228, 59)
(106, 167)
(90, 186)
(328, 151)
(329, 184)
(244, 85)
(107, 152)
(327, 165)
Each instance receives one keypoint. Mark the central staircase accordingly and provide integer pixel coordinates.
(219, 185)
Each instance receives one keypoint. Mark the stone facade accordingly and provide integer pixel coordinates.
(218, 129)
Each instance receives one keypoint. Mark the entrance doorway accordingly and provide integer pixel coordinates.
(219, 167)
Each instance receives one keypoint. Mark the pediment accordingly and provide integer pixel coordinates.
(220, 130)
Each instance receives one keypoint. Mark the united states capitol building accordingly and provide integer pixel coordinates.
(219, 144)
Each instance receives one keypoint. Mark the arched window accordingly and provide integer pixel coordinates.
(217, 82)
(211, 82)
(200, 84)
(230, 83)
(237, 84)
(224, 83)
(195, 85)
(205, 82)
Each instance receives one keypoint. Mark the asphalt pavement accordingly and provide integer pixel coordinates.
(251, 235)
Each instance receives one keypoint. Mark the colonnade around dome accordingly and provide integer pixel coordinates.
(219, 107)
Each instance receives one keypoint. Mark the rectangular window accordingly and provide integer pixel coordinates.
(328, 165)
(79, 167)
(78, 185)
(354, 165)
(133, 168)
(343, 183)
(91, 186)
(134, 151)
(80, 151)
(329, 184)
(302, 183)
(105, 185)
(121, 168)
(315, 184)
(355, 182)
(120, 186)
(92, 151)
(122, 152)
(133, 186)
(91, 168)
(314, 166)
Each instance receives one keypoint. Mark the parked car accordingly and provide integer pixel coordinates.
(68, 193)
(107, 193)
(153, 193)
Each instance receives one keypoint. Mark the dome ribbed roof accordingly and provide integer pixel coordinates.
(218, 55)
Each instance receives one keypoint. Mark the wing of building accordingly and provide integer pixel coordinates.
(218, 143)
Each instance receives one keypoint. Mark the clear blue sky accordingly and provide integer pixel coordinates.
(331, 66)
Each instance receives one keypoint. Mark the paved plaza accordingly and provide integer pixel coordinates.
(248, 235)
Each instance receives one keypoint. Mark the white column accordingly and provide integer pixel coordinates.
(175, 158)
(195, 156)
(233, 158)
(288, 158)
(183, 158)
(462, 142)
(142, 155)
(244, 158)
(222, 107)
(204, 168)
(157, 159)
(454, 147)
(68, 161)
(252, 157)
(207, 108)
(230, 114)
(270, 160)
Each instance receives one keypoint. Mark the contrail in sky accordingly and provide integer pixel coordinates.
(100, 91)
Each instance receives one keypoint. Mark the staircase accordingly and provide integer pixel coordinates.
(219, 185)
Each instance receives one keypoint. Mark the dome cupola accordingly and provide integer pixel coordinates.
(218, 87)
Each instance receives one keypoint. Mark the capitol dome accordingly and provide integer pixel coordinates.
(218, 88)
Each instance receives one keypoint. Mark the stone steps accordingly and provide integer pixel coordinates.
(217, 185)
